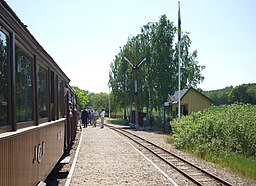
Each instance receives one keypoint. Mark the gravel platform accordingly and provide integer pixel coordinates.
(105, 158)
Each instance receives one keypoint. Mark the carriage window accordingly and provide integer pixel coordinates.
(52, 90)
(24, 97)
(60, 98)
(3, 79)
(42, 92)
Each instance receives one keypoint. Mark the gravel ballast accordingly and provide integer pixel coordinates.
(106, 158)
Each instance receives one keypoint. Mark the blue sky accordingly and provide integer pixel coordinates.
(83, 36)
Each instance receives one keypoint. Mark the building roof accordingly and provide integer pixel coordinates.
(174, 95)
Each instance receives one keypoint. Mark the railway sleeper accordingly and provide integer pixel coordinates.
(193, 173)
(167, 158)
(185, 168)
(170, 158)
(178, 163)
(164, 155)
(160, 153)
(205, 180)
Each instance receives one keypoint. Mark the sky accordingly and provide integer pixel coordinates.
(83, 36)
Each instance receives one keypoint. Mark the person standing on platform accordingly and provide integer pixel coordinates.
(92, 118)
(89, 117)
(102, 115)
(84, 117)
(95, 117)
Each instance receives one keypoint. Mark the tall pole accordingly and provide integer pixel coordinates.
(179, 35)
(109, 102)
(135, 78)
(135, 69)
(179, 85)
(109, 84)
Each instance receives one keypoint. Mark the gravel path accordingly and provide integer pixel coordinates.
(105, 158)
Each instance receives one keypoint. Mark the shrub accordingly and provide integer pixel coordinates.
(226, 129)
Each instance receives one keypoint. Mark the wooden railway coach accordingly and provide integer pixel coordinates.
(37, 106)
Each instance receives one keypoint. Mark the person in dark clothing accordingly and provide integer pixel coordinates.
(89, 117)
(84, 117)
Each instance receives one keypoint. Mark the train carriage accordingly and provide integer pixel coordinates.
(37, 105)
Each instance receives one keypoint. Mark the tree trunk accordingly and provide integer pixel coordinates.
(125, 114)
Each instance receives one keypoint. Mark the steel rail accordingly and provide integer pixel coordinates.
(214, 177)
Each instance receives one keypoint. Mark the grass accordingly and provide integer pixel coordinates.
(118, 121)
(241, 165)
(238, 164)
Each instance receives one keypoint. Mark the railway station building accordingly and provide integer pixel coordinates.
(191, 100)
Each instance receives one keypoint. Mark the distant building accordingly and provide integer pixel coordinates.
(191, 100)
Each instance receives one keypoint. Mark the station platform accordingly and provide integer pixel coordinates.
(106, 158)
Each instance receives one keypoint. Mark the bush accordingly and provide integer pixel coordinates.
(225, 129)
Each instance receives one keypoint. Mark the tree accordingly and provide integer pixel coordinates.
(82, 96)
(99, 101)
(252, 92)
(245, 93)
(220, 96)
(159, 74)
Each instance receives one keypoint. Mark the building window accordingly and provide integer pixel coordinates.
(42, 92)
(24, 89)
(3, 79)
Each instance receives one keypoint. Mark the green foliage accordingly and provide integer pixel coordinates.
(99, 101)
(158, 74)
(117, 121)
(226, 129)
(82, 96)
(220, 96)
(245, 93)
(95, 100)
(223, 135)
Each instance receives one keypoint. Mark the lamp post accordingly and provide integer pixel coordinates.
(135, 69)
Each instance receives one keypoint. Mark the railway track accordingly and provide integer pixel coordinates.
(192, 172)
